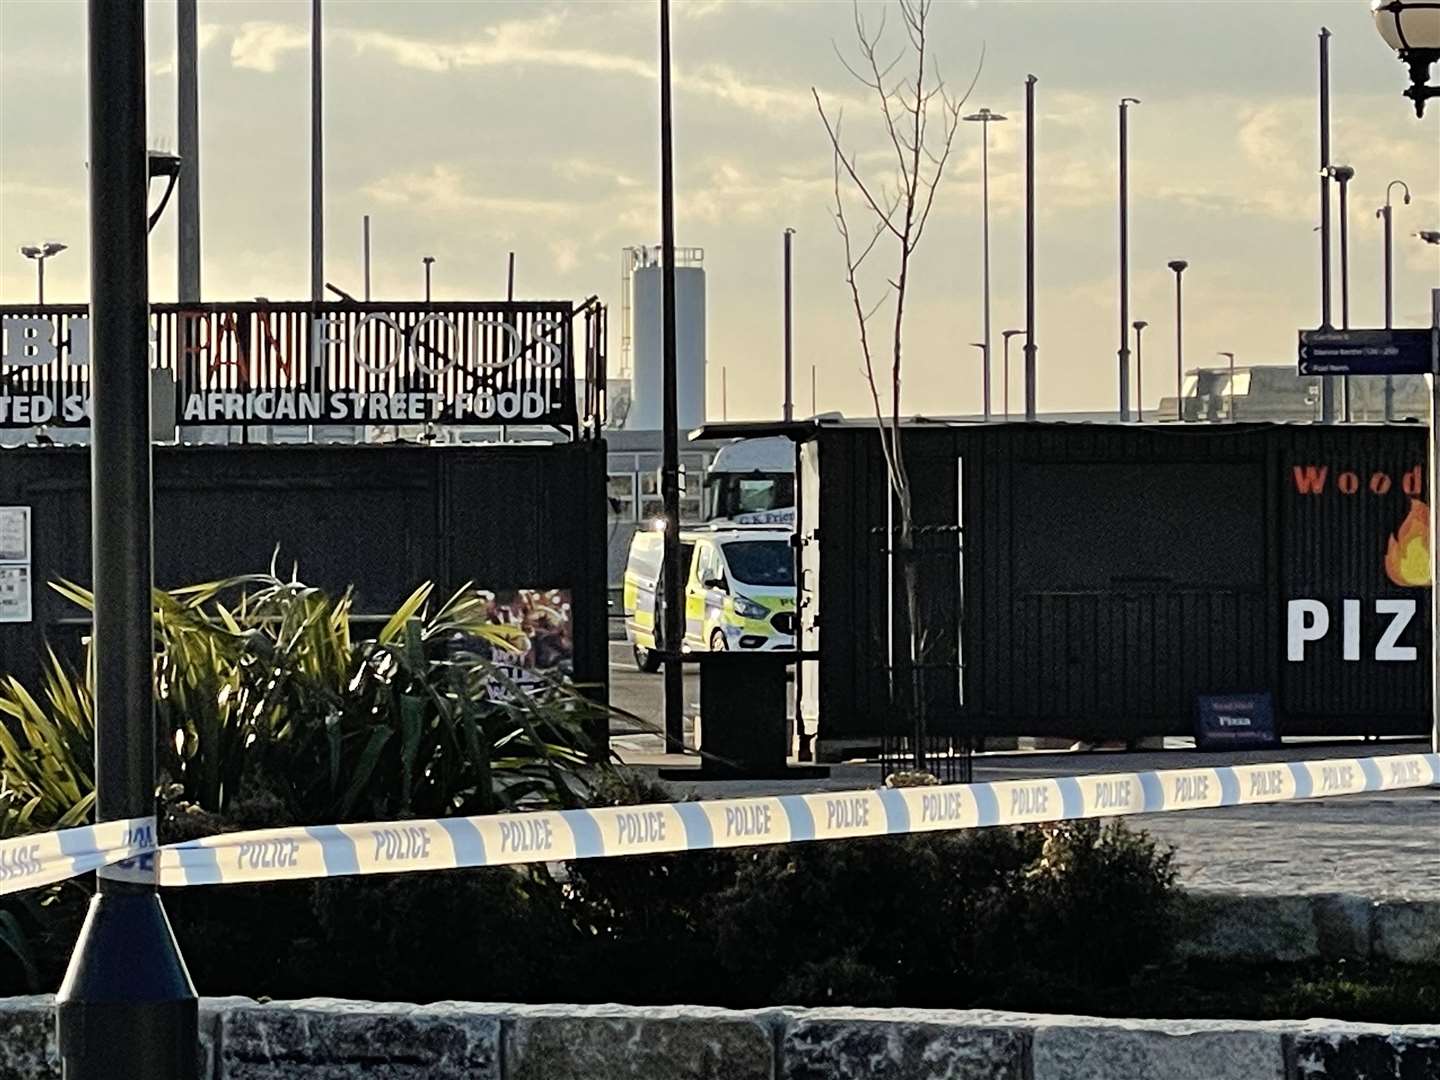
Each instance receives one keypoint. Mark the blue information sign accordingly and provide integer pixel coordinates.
(1234, 722)
(1367, 352)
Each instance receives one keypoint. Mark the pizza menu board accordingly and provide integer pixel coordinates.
(15, 564)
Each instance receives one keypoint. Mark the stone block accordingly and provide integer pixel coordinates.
(1342, 925)
(1083, 1049)
(27, 1039)
(322, 1039)
(1406, 931)
(1244, 928)
(623, 1043)
(899, 1044)
(1344, 1051)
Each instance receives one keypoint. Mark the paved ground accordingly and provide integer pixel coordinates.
(1380, 845)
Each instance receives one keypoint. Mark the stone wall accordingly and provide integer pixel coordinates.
(340, 1040)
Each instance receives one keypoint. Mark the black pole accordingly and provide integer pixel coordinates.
(1345, 280)
(510, 279)
(126, 1010)
(674, 591)
(1327, 388)
(1179, 266)
(789, 410)
(1139, 373)
(1030, 247)
(1124, 259)
(1386, 214)
(40, 280)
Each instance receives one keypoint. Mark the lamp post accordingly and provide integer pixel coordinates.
(126, 1010)
(985, 118)
(41, 252)
(1125, 104)
(1412, 29)
(673, 593)
(365, 252)
(1230, 386)
(789, 409)
(317, 157)
(1007, 335)
(1327, 384)
(1385, 214)
(1140, 325)
(1030, 374)
(1179, 266)
(429, 261)
(1343, 174)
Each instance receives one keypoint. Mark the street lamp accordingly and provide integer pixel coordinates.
(429, 261)
(1412, 29)
(1007, 335)
(1179, 266)
(1230, 388)
(41, 252)
(161, 163)
(985, 117)
(1343, 174)
(788, 411)
(1125, 104)
(1140, 325)
(1385, 215)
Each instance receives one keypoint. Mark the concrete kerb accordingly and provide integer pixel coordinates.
(1250, 928)
(325, 1039)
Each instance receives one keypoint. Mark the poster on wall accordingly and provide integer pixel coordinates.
(15, 564)
(14, 593)
(544, 648)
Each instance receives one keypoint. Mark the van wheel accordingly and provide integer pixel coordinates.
(647, 660)
(718, 642)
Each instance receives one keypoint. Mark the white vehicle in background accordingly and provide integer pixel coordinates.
(752, 482)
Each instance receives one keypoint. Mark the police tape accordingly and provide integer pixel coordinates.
(27, 862)
(560, 835)
(126, 849)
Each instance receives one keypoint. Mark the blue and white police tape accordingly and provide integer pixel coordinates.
(45, 858)
(549, 836)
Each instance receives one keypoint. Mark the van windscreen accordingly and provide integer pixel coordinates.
(761, 562)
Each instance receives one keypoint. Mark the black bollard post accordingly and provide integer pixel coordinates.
(127, 1010)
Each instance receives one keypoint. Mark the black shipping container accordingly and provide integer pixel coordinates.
(382, 519)
(1090, 581)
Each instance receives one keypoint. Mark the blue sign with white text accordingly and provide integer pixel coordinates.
(1235, 722)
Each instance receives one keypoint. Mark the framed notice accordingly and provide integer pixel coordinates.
(1235, 722)
(14, 534)
(14, 593)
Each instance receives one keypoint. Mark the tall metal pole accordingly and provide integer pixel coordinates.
(1386, 214)
(187, 63)
(985, 197)
(674, 592)
(1140, 325)
(814, 409)
(1125, 104)
(317, 162)
(1179, 266)
(40, 281)
(789, 409)
(1344, 175)
(510, 278)
(1434, 520)
(126, 1010)
(1030, 247)
(1327, 387)
(365, 229)
(429, 261)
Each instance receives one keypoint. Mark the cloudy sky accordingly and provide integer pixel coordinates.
(469, 129)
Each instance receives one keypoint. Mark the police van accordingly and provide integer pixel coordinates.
(739, 591)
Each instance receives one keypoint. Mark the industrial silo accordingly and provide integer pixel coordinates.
(642, 323)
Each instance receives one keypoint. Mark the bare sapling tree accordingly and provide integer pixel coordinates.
(919, 117)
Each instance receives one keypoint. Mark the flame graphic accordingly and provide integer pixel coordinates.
(1407, 555)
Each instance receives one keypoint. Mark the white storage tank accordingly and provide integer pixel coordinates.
(647, 288)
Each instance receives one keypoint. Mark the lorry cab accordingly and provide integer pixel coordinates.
(739, 591)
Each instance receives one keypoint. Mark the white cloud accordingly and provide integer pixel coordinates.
(258, 46)
(442, 189)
